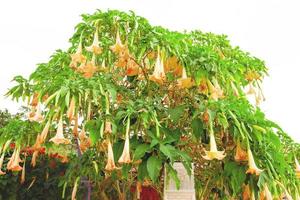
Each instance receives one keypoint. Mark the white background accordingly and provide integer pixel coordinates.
(31, 30)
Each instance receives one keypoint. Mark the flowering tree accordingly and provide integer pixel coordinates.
(127, 100)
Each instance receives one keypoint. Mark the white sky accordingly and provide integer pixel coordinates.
(31, 30)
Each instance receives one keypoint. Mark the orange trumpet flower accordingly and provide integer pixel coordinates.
(125, 157)
(158, 75)
(110, 165)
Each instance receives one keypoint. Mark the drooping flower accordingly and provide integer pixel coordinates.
(34, 100)
(38, 143)
(297, 169)
(34, 157)
(215, 90)
(253, 169)
(110, 165)
(59, 137)
(213, 153)
(246, 192)
(71, 109)
(251, 89)
(132, 68)
(89, 69)
(14, 162)
(45, 132)
(108, 129)
(118, 47)
(266, 194)
(36, 115)
(203, 87)
(184, 81)
(85, 141)
(95, 48)
(77, 57)
(3, 155)
(125, 157)
(158, 75)
(240, 153)
(23, 172)
(172, 65)
(1, 163)
(75, 128)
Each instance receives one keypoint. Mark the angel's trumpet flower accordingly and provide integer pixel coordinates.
(251, 89)
(71, 109)
(35, 100)
(2, 156)
(95, 48)
(297, 170)
(77, 57)
(266, 194)
(118, 47)
(253, 169)
(34, 157)
(1, 163)
(36, 116)
(23, 172)
(110, 165)
(184, 81)
(75, 129)
(125, 157)
(215, 90)
(159, 72)
(240, 154)
(85, 141)
(59, 137)
(38, 142)
(89, 69)
(107, 129)
(213, 153)
(246, 192)
(45, 131)
(133, 68)
(14, 162)
(75, 187)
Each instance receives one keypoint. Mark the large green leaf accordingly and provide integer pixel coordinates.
(154, 165)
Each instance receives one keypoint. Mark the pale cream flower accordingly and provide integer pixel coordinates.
(158, 75)
(213, 153)
(185, 81)
(110, 165)
(71, 109)
(59, 137)
(125, 157)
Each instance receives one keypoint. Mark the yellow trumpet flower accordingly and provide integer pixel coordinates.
(158, 75)
(213, 153)
(89, 69)
(110, 165)
(125, 157)
(253, 169)
(59, 137)
(184, 81)
(95, 48)
(246, 192)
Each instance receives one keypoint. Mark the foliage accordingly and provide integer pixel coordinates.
(146, 97)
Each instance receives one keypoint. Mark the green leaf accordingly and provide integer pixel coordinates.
(154, 165)
(142, 171)
(140, 151)
(176, 113)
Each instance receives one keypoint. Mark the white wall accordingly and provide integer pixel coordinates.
(31, 30)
